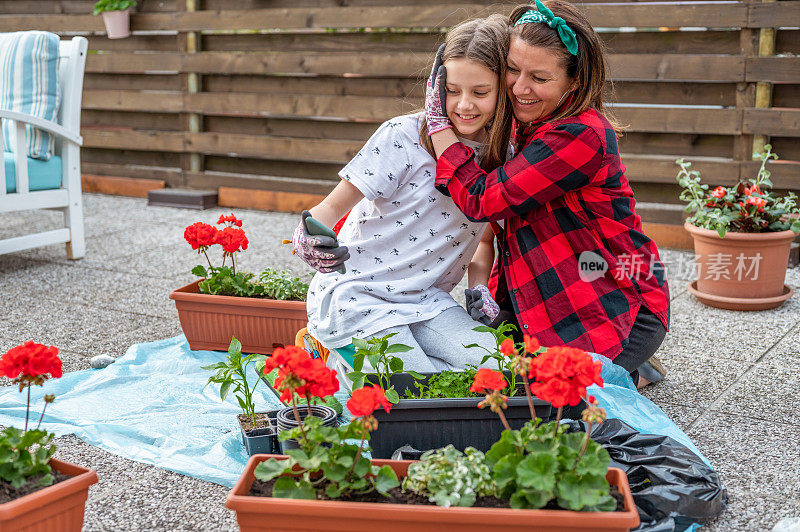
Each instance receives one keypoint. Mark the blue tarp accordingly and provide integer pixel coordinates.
(150, 406)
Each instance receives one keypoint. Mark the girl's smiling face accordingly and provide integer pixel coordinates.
(536, 81)
(472, 91)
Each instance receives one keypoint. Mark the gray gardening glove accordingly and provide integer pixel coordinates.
(481, 306)
(323, 253)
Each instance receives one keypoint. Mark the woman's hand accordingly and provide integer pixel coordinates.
(481, 306)
(436, 97)
(323, 253)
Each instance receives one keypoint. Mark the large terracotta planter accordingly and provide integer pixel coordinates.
(742, 271)
(295, 515)
(259, 324)
(56, 508)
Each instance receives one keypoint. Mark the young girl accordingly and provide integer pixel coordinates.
(404, 246)
(574, 267)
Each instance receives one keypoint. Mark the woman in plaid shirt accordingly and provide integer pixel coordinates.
(574, 265)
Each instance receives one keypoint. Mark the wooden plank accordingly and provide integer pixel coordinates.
(673, 92)
(372, 41)
(99, 81)
(672, 42)
(133, 63)
(121, 186)
(131, 100)
(772, 122)
(786, 95)
(774, 69)
(688, 145)
(678, 120)
(267, 200)
(785, 175)
(663, 170)
(362, 86)
(248, 166)
(344, 107)
(128, 139)
(668, 236)
(105, 119)
(326, 151)
(652, 67)
(171, 176)
(214, 180)
(770, 15)
(291, 127)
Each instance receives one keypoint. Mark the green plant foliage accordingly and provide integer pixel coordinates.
(501, 334)
(342, 466)
(112, 5)
(737, 209)
(271, 283)
(378, 353)
(282, 285)
(449, 477)
(445, 384)
(25, 455)
(231, 375)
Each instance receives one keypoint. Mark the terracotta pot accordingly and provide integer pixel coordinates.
(56, 508)
(118, 23)
(259, 324)
(295, 515)
(742, 271)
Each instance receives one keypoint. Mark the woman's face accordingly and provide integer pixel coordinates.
(472, 91)
(535, 80)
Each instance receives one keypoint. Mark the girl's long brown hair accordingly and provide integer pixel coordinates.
(588, 67)
(484, 41)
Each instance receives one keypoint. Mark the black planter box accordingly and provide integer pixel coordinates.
(262, 441)
(433, 423)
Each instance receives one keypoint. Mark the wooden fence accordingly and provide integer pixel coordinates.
(278, 94)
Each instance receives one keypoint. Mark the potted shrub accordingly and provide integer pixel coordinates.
(116, 16)
(514, 484)
(259, 429)
(37, 492)
(434, 410)
(263, 313)
(742, 238)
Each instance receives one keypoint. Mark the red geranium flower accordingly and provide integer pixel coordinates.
(299, 373)
(507, 347)
(487, 379)
(232, 239)
(719, 192)
(364, 401)
(531, 344)
(31, 360)
(200, 234)
(230, 219)
(561, 375)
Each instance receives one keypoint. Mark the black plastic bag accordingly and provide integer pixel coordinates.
(672, 487)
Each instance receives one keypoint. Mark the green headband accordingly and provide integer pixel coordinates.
(543, 14)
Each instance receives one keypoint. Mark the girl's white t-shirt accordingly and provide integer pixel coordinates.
(409, 244)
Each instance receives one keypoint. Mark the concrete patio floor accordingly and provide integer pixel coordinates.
(732, 383)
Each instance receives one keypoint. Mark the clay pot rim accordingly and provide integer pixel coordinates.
(744, 303)
(191, 292)
(732, 235)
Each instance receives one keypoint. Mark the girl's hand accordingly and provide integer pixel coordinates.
(481, 306)
(436, 97)
(322, 253)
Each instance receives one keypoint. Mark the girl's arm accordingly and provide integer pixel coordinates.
(336, 204)
(481, 265)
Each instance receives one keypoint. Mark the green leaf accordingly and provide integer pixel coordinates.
(358, 363)
(335, 472)
(269, 469)
(199, 271)
(392, 396)
(385, 480)
(397, 348)
(223, 390)
(396, 364)
(362, 467)
(414, 374)
(293, 488)
(595, 460)
(334, 490)
(235, 348)
(575, 492)
(505, 470)
(538, 472)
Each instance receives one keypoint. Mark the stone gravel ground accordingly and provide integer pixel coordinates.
(732, 383)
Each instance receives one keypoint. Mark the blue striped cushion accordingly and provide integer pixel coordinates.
(29, 84)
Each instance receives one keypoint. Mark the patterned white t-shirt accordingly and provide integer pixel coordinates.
(409, 244)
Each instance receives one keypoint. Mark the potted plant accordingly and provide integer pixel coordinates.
(259, 429)
(434, 410)
(328, 488)
(263, 313)
(37, 492)
(742, 238)
(116, 16)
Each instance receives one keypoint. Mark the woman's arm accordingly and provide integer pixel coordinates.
(481, 265)
(564, 158)
(336, 204)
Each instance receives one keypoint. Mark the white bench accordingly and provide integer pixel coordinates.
(72, 58)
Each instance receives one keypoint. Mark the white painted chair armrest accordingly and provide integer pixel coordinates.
(50, 127)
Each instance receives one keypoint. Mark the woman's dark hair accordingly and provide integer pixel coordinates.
(587, 68)
(485, 41)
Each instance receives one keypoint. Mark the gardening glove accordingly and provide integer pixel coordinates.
(323, 253)
(436, 97)
(481, 306)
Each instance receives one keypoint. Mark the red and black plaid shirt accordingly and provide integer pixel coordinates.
(563, 195)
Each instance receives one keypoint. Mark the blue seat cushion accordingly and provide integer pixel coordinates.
(42, 175)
